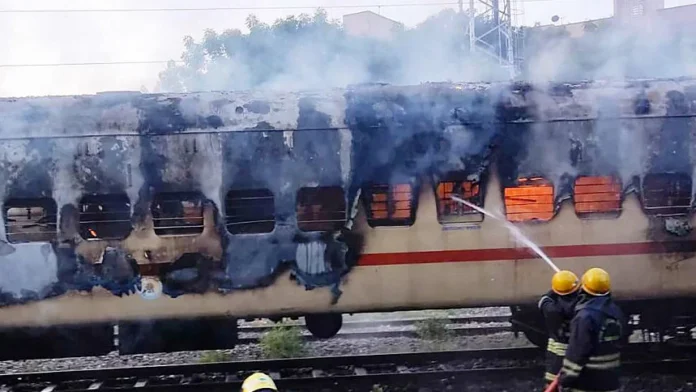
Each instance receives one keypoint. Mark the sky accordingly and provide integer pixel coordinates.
(49, 38)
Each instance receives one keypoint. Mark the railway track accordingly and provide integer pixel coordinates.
(459, 326)
(336, 373)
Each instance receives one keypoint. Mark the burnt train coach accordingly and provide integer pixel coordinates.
(173, 215)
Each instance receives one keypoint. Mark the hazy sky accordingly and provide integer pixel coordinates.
(44, 38)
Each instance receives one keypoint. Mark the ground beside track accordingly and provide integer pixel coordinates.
(334, 347)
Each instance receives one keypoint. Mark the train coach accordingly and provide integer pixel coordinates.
(174, 215)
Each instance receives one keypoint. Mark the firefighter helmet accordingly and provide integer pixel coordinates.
(258, 382)
(596, 282)
(564, 282)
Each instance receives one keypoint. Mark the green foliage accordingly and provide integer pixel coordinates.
(214, 356)
(433, 330)
(282, 342)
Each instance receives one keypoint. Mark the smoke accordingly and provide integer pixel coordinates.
(305, 53)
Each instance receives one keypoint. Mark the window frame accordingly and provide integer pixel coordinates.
(49, 208)
(91, 230)
(389, 191)
(264, 193)
(333, 223)
(544, 184)
(182, 230)
(668, 210)
(468, 216)
(609, 214)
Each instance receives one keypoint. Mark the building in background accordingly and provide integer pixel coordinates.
(634, 11)
(370, 24)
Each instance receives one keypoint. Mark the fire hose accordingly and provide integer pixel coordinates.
(553, 386)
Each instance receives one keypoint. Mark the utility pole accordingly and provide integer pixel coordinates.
(498, 41)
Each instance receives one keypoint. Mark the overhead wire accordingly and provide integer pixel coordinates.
(243, 8)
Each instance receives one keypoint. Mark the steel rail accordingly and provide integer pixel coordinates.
(331, 371)
(389, 323)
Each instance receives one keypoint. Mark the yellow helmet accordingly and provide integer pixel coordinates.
(564, 282)
(596, 282)
(258, 382)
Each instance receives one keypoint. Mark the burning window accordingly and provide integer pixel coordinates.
(177, 213)
(321, 209)
(30, 220)
(390, 205)
(667, 194)
(597, 196)
(451, 211)
(250, 211)
(105, 217)
(531, 199)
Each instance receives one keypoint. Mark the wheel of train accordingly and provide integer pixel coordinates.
(324, 325)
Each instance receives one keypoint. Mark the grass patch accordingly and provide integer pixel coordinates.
(433, 330)
(214, 356)
(282, 341)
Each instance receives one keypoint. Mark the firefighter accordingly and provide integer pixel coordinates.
(557, 307)
(593, 356)
(259, 382)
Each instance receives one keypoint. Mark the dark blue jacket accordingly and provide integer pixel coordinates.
(558, 310)
(593, 356)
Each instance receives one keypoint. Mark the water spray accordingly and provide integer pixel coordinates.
(513, 229)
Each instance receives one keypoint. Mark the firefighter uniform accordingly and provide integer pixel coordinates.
(557, 307)
(593, 356)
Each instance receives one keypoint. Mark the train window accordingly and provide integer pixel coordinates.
(390, 205)
(531, 199)
(667, 194)
(177, 213)
(597, 196)
(321, 209)
(250, 211)
(30, 220)
(450, 211)
(105, 217)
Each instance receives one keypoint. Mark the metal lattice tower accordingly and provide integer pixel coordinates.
(498, 42)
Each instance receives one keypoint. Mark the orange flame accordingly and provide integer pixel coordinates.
(94, 233)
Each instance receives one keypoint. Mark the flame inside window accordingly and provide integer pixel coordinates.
(390, 205)
(666, 194)
(597, 196)
(105, 217)
(30, 220)
(531, 200)
(321, 209)
(450, 211)
(250, 211)
(177, 213)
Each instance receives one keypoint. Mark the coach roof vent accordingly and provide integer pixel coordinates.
(177, 213)
(105, 217)
(321, 209)
(30, 220)
(250, 211)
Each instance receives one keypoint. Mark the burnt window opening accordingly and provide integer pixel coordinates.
(597, 197)
(30, 220)
(177, 213)
(666, 194)
(530, 200)
(451, 211)
(390, 205)
(321, 209)
(250, 211)
(105, 217)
